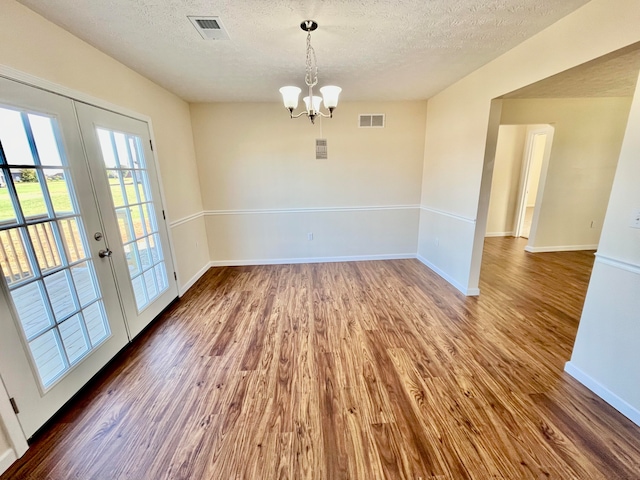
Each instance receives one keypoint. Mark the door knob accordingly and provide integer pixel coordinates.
(104, 253)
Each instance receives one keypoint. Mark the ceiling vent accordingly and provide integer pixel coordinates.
(209, 28)
(371, 120)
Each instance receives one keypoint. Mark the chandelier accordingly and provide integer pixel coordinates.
(329, 93)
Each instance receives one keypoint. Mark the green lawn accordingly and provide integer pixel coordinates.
(32, 202)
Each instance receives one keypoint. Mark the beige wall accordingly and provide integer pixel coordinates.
(606, 356)
(51, 53)
(459, 133)
(587, 138)
(462, 125)
(505, 185)
(35, 46)
(263, 190)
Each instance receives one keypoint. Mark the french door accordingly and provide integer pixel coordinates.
(77, 283)
(119, 154)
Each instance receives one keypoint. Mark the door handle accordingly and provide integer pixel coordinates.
(104, 253)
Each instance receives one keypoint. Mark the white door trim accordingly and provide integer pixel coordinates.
(17, 438)
(547, 130)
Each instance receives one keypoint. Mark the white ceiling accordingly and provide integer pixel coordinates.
(373, 49)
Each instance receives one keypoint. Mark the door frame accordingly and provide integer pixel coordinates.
(521, 209)
(17, 438)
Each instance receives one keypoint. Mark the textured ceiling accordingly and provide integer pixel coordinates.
(614, 75)
(373, 49)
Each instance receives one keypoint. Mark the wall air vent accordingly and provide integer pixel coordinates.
(209, 28)
(371, 120)
(321, 148)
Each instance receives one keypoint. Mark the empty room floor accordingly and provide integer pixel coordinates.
(357, 370)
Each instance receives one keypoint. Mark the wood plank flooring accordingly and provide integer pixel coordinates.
(360, 370)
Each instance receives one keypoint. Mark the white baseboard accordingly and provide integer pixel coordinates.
(560, 248)
(183, 289)
(469, 292)
(498, 234)
(6, 460)
(607, 395)
(285, 261)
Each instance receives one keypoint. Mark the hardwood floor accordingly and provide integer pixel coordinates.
(358, 370)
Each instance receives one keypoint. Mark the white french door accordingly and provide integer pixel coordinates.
(75, 287)
(126, 184)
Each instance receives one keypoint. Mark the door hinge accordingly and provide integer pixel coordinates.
(151, 145)
(163, 215)
(14, 405)
(175, 276)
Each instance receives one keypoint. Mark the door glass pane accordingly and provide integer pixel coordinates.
(45, 262)
(71, 229)
(59, 289)
(30, 304)
(14, 260)
(96, 322)
(131, 252)
(7, 212)
(139, 292)
(43, 240)
(123, 153)
(83, 276)
(124, 223)
(13, 137)
(45, 140)
(116, 188)
(73, 338)
(49, 357)
(59, 192)
(30, 194)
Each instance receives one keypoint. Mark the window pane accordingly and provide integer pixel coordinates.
(72, 239)
(141, 185)
(73, 339)
(130, 188)
(59, 289)
(139, 293)
(13, 256)
(83, 277)
(47, 353)
(149, 218)
(136, 155)
(116, 188)
(155, 248)
(144, 252)
(30, 306)
(136, 218)
(45, 246)
(150, 284)
(7, 210)
(104, 137)
(30, 194)
(161, 277)
(14, 138)
(46, 144)
(123, 151)
(124, 223)
(96, 322)
(131, 253)
(59, 191)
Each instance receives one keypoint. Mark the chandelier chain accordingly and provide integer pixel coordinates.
(311, 78)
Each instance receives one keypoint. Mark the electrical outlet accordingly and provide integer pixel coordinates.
(310, 236)
(635, 219)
